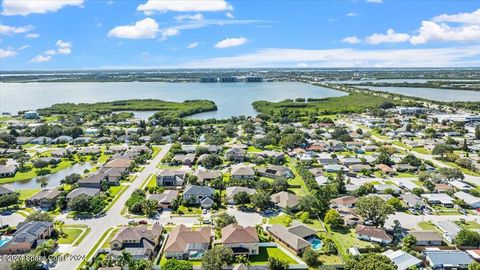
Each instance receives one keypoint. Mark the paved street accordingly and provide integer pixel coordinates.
(112, 218)
(410, 221)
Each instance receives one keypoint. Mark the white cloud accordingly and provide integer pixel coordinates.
(41, 58)
(229, 15)
(10, 30)
(351, 40)
(466, 18)
(169, 32)
(432, 31)
(346, 57)
(26, 7)
(352, 14)
(64, 47)
(192, 45)
(4, 53)
(302, 65)
(194, 17)
(183, 6)
(32, 35)
(390, 37)
(375, 1)
(231, 42)
(144, 29)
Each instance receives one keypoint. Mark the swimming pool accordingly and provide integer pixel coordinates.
(4, 240)
(315, 243)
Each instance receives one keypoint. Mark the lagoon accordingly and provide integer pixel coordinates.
(232, 99)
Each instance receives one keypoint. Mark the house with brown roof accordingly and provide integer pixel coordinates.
(427, 238)
(290, 239)
(45, 199)
(242, 240)
(284, 200)
(141, 242)
(185, 243)
(386, 169)
(27, 236)
(373, 234)
(119, 162)
(241, 172)
(343, 202)
(207, 175)
(164, 199)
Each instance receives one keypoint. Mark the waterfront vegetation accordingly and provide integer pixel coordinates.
(163, 108)
(352, 103)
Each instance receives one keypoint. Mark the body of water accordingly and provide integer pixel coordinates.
(232, 99)
(431, 93)
(53, 179)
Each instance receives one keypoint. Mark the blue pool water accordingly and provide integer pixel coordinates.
(4, 240)
(315, 243)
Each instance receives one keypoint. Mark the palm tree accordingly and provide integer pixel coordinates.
(124, 259)
(149, 207)
(60, 226)
(43, 182)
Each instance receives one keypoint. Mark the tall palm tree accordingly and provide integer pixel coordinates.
(125, 259)
(43, 182)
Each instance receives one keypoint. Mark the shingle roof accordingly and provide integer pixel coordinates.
(291, 239)
(181, 236)
(233, 234)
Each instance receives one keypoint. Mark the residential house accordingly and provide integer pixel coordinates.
(27, 236)
(45, 199)
(119, 162)
(90, 192)
(373, 234)
(326, 159)
(41, 140)
(427, 238)
(8, 170)
(285, 200)
(460, 185)
(470, 200)
(447, 259)
(164, 199)
(343, 202)
(281, 233)
(6, 190)
(385, 188)
(207, 175)
(201, 195)
(449, 229)
(275, 171)
(333, 168)
(183, 159)
(171, 177)
(242, 240)
(241, 172)
(183, 242)
(439, 199)
(385, 169)
(140, 242)
(231, 191)
(402, 259)
(235, 154)
(413, 201)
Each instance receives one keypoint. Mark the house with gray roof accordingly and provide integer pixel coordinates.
(448, 229)
(231, 191)
(275, 171)
(171, 177)
(402, 259)
(427, 238)
(8, 170)
(288, 238)
(164, 199)
(470, 200)
(241, 172)
(27, 236)
(198, 194)
(45, 199)
(140, 242)
(447, 259)
(413, 201)
(90, 192)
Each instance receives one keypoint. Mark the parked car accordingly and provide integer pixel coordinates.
(143, 222)
(132, 222)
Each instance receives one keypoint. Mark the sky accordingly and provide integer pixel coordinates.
(127, 34)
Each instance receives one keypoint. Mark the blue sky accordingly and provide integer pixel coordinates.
(83, 34)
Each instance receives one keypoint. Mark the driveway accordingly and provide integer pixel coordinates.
(11, 220)
(245, 218)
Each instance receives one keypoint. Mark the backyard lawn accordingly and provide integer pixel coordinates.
(330, 259)
(267, 252)
(27, 193)
(425, 225)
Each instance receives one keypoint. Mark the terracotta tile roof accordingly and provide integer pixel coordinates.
(181, 236)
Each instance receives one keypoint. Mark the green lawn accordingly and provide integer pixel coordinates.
(113, 190)
(267, 252)
(156, 150)
(189, 210)
(426, 225)
(92, 250)
(422, 150)
(297, 180)
(27, 193)
(71, 235)
(152, 181)
(330, 259)
(280, 219)
(109, 238)
(253, 149)
(469, 225)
